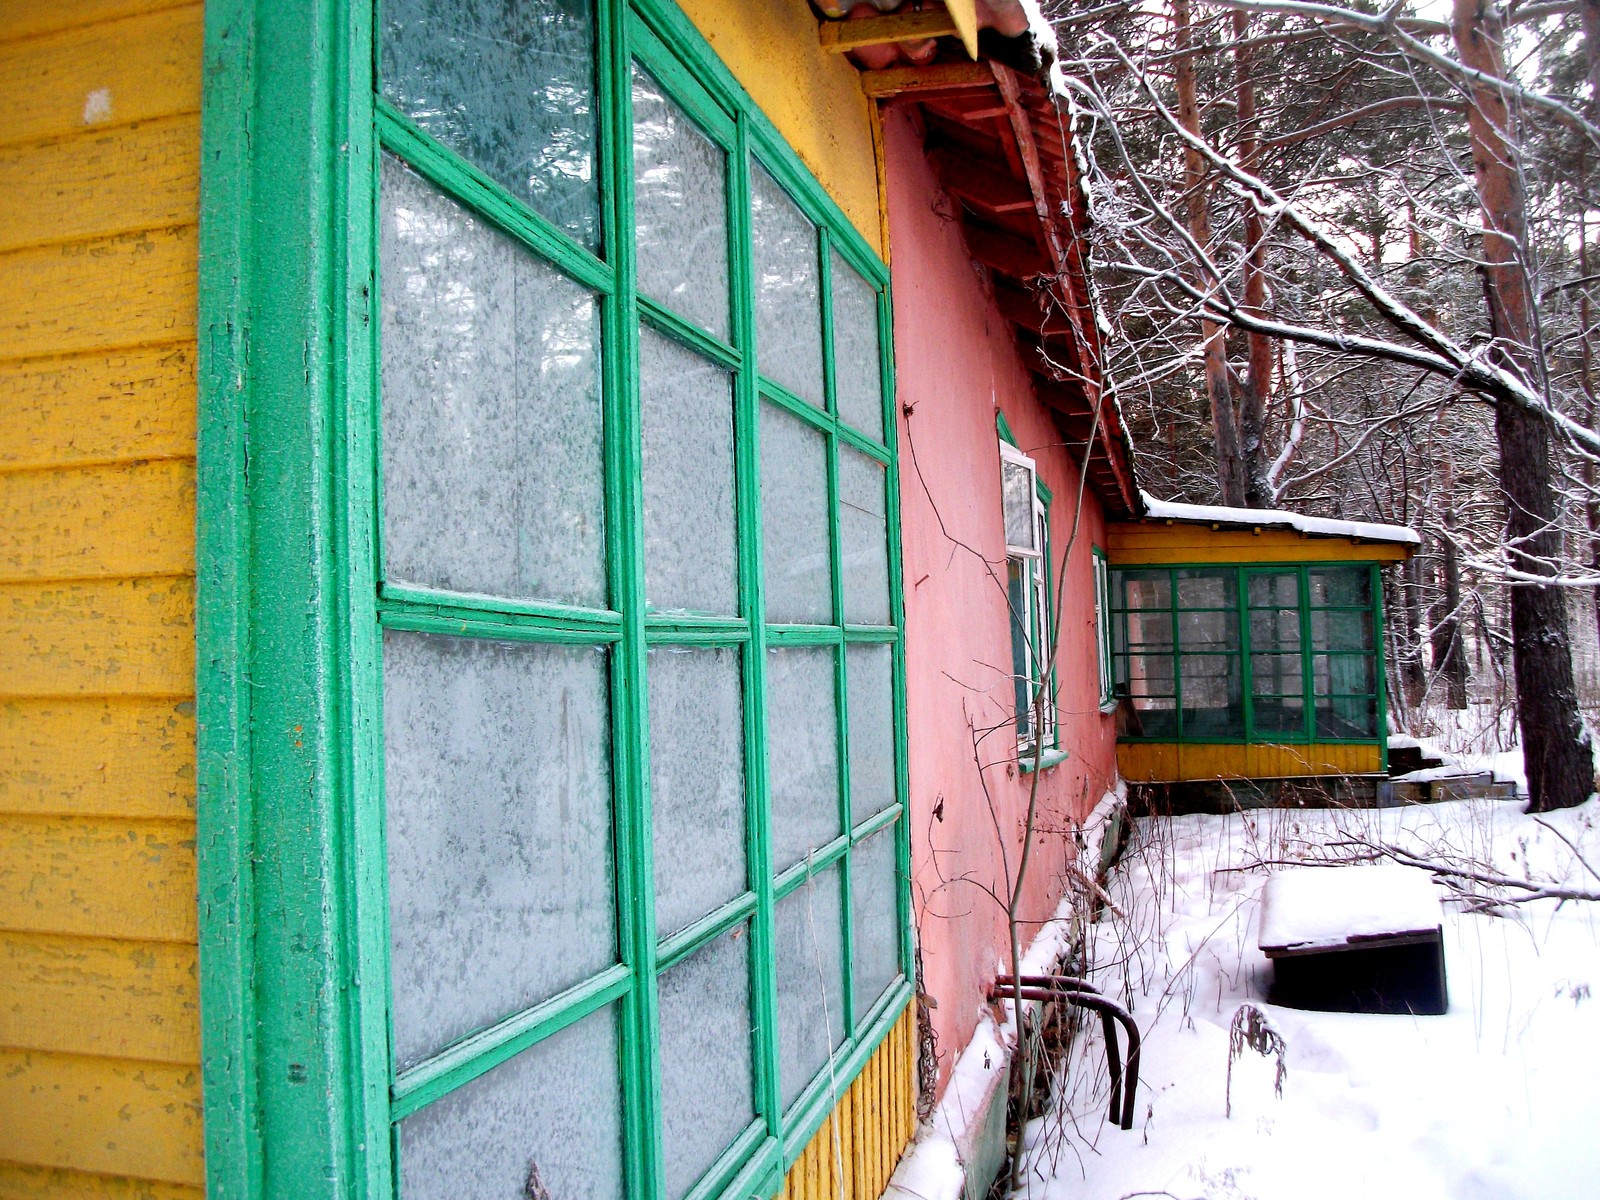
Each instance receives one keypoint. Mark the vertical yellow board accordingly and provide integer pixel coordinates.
(99, 1006)
(853, 1154)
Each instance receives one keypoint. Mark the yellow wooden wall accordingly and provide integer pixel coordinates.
(1172, 762)
(855, 1151)
(99, 1009)
(1130, 543)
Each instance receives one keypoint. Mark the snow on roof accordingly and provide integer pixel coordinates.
(1208, 514)
(1307, 907)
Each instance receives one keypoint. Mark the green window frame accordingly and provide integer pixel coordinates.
(302, 1092)
(1102, 628)
(1307, 661)
(1030, 602)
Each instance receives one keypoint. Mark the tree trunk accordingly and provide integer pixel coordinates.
(1413, 677)
(1558, 758)
(1450, 661)
(1197, 188)
(1257, 385)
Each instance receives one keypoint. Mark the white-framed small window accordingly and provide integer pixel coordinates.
(1028, 594)
(1102, 628)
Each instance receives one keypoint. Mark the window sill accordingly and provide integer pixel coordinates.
(1050, 758)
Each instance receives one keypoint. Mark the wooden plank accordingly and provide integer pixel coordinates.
(840, 37)
(98, 877)
(114, 72)
(20, 20)
(1001, 252)
(1266, 554)
(18, 1182)
(900, 81)
(98, 407)
(983, 186)
(101, 182)
(124, 637)
(1167, 762)
(93, 1114)
(116, 520)
(129, 290)
(99, 996)
(98, 757)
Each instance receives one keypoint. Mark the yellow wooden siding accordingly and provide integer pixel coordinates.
(57, 294)
(110, 1116)
(135, 757)
(131, 177)
(855, 1151)
(99, 1005)
(103, 406)
(1131, 543)
(18, 1182)
(112, 72)
(1172, 762)
(90, 995)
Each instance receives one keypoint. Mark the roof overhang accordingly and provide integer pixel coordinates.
(1000, 141)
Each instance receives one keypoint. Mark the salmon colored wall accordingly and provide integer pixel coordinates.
(956, 363)
(813, 99)
(99, 1020)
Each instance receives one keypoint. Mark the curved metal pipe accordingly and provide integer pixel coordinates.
(1071, 990)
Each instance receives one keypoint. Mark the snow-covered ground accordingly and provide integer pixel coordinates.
(1499, 1099)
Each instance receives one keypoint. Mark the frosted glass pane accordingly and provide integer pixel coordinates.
(706, 1074)
(794, 520)
(857, 378)
(874, 918)
(809, 948)
(492, 463)
(547, 1123)
(680, 209)
(498, 782)
(788, 297)
(1016, 495)
(863, 533)
(696, 782)
(871, 712)
(510, 88)
(690, 556)
(802, 752)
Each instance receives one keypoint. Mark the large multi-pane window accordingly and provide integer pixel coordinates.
(642, 836)
(1237, 653)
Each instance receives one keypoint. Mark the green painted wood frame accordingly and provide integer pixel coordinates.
(1053, 754)
(1242, 572)
(298, 1092)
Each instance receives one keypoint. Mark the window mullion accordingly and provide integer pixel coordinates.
(763, 968)
(625, 552)
(841, 689)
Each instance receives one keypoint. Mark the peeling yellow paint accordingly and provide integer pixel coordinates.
(99, 1021)
(110, 1116)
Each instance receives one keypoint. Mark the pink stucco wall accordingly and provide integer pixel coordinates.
(956, 366)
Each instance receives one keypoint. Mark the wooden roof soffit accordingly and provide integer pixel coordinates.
(996, 144)
(940, 77)
(908, 25)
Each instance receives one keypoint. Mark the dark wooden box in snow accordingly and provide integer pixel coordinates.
(1354, 939)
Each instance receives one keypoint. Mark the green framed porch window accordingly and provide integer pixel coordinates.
(1248, 653)
(613, 677)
